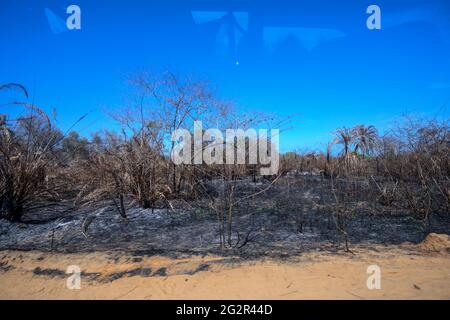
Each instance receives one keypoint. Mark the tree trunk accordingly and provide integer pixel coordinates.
(122, 206)
(230, 223)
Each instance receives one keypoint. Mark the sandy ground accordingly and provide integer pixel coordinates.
(407, 272)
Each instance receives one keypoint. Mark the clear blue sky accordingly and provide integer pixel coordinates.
(316, 59)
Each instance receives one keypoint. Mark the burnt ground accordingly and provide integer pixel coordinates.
(287, 220)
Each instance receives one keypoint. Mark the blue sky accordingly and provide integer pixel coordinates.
(316, 59)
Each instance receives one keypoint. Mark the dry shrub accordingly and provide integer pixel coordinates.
(136, 164)
(117, 168)
(28, 163)
(416, 158)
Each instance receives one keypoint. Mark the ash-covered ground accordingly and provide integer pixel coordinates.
(287, 220)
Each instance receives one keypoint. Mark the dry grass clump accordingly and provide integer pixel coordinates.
(28, 161)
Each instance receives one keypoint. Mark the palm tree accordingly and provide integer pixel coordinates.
(344, 137)
(365, 139)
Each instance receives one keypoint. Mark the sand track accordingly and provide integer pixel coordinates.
(407, 272)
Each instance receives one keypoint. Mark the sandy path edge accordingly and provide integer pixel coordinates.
(405, 274)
